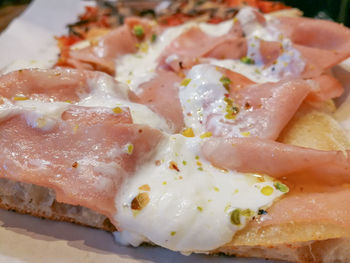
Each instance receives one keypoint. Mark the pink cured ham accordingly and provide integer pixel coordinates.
(51, 84)
(270, 51)
(194, 44)
(119, 41)
(161, 94)
(328, 207)
(84, 158)
(264, 109)
(326, 87)
(254, 155)
(270, 106)
(323, 44)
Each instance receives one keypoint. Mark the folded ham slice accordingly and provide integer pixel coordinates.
(323, 44)
(254, 155)
(240, 107)
(101, 55)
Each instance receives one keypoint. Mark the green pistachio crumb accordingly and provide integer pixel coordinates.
(236, 217)
(281, 187)
(247, 60)
(138, 30)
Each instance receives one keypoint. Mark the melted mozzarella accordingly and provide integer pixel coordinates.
(42, 115)
(205, 106)
(190, 206)
(38, 114)
(105, 93)
(135, 69)
(202, 98)
(289, 63)
(23, 64)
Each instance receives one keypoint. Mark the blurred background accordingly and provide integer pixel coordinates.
(337, 10)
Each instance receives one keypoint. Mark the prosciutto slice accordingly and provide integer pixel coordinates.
(84, 158)
(120, 41)
(326, 87)
(323, 44)
(243, 107)
(327, 207)
(269, 106)
(254, 155)
(53, 84)
(161, 94)
(194, 44)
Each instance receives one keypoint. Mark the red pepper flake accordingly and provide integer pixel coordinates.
(247, 106)
(173, 166)
(75, 165)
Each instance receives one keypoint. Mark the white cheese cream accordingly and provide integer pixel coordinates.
(190, 202)
(203, 102)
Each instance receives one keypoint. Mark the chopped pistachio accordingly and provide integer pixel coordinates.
(236, 217)
(173, 233)
(245, 134)
(185, 82)
(184, 162)
(247, 60)
(138, 30)
(199, 208)
(225, 82)
(281, 187)
(140, 201)
(117, 110)
(231, 109)
(247, 213)
(130, 148)
(153, 38)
